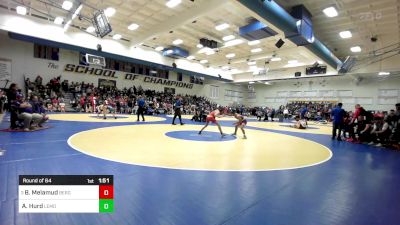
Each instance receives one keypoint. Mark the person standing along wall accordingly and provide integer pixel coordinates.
(177, 108)
(141, 104)
(337, 115)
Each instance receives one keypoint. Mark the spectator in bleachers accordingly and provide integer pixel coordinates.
(286, 113)
(348, 130)
(12, 97)
(37, 108)
(380, 132)
(3, 100)
(55, 104)
(396, 131)
(65, 86)
(364, 128)
(303, 113)
(25, 113)
(272, 114)
(38, 80)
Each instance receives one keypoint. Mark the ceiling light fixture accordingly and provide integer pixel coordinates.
(21, 10)
(256, 42)
(384, 73)
(230, 55)
(276, 59)
(330, 11)
(293, 61)
(228, 38)
(205, 50)
(90, 29)
(355, 49)
(233, 43)
(67, 5)
(254, 68)
(222, 26)
(345, 34)
(109, 11)
(133, 26)
(203, 61)
(117, 36)
(199, 46)
(177, 42)
(159, 48)
(256, 50)
(58, 20)
(173, 3)
(252, 63)
(191, 57)
(211, 52)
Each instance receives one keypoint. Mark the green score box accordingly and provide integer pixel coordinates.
(106, 205)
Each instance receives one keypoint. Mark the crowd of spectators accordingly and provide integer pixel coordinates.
(316, 110)
(85, 98)
(360, 126)
(368, 127)
(49, 94)
(26, 114)
(125, 100)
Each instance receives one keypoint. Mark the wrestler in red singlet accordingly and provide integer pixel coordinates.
(212, 118)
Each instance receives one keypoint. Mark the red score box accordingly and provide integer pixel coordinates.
(106, 192)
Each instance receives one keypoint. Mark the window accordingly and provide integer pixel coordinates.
(82, 59)
(235, 96)
(116, 65)
(166, 74)
(214, 92)
(179, 77)
(196, 80)
(46, 52)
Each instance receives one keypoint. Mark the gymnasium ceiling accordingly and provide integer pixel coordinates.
(364, 18)
(195, 19)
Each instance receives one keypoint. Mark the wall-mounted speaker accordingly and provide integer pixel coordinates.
(279, 43)
(99, 48)
(174, 65)
(297, 74)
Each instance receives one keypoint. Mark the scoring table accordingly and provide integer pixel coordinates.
(66, 193)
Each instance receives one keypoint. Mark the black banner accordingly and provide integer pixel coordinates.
(66, 179)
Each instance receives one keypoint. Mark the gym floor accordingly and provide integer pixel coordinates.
(170, 175)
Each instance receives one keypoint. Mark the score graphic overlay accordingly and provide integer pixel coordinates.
(66, 194)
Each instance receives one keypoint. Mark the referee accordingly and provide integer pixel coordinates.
(141, 109)
(177, 108)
